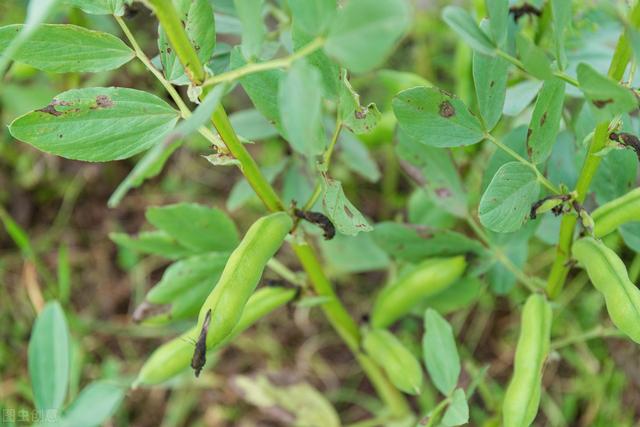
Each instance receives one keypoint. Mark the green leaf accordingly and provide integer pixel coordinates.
(353, 254)
(152, 242)
(357, 157)
(195, 226)
(399, 363)
(616, 175)
(506, 203)
(252, 125)
(185, 274)
(262, 89)
(300, 100)
(49, 358)
(516, 247)
(464, 25)
(99, 7)
(520, 95)
(459, 295)
(312, 16)
(242, 192)
(67, 48)
(560, 20)
(440, 353)
(514, 139)
(345, 217)
(253, 28)
(94, 405)
(607, 97)
(457, 412)
(534, 59)
(498, 11)
(329, 70)
(37, 12)
(545, 121)
(97, 124)
(490, 75)
(413, 243)
(364, 32)
(297, 403)
(201, 31)
(433, 170)
(436, 118)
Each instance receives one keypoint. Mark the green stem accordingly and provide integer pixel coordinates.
(285, 272)
(264, 66)
(326, 161)
(172, 25)
(515, 61)
(597, 332)
(434, 415)
(335, 311)
(539, 176)
(347, 328)
(560, 268)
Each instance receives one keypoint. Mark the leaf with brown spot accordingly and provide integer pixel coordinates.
(545, 120)
(345, 217)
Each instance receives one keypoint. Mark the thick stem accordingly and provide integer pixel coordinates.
(561, 266)
(335, 311)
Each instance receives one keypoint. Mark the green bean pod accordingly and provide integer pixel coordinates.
(617, 212)
(174, 356)
(522, 397)
(428, 278)
(399, 363)
(241, 275)
(609, 276)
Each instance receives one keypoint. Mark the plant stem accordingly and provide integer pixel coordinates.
(515, 61)
(597, 332)
(285, 272)
(560, 268)
(326, 161)
(334, 310)
(247, 69)
(434, 415)
(347, 328)
(539, 176)
(170, 20)
(501, 257)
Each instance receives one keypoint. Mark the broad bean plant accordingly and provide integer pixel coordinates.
(522, 176)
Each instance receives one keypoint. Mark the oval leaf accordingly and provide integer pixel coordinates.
(506, 203)
(464, 25)
(545, 121)
(96, 124)
(434, 117)
(68, 48)
(440, 353)
(490, 78)
(365, 31)
(49, 358)
(346, 218)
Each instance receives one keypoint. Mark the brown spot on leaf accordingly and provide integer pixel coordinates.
(360, 113)
(51, 108)
(147, 309)
(103, 101)
(443, 192)
(447, 110)
(543, 119)
(348, 212)
(601, 103)
(529, 131)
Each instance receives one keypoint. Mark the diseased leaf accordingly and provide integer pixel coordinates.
(545, 121)
(49, 358)
(201, 31)
(436, 118)
(345, 217)
(506, 203)
(607, 97)
(354, 116)
(195, 226)
(67, 48)
(440, 353)
(300, 100)
(364, 32)
(464, 25)
(97, 124)
(433, 170)
(490, 77)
